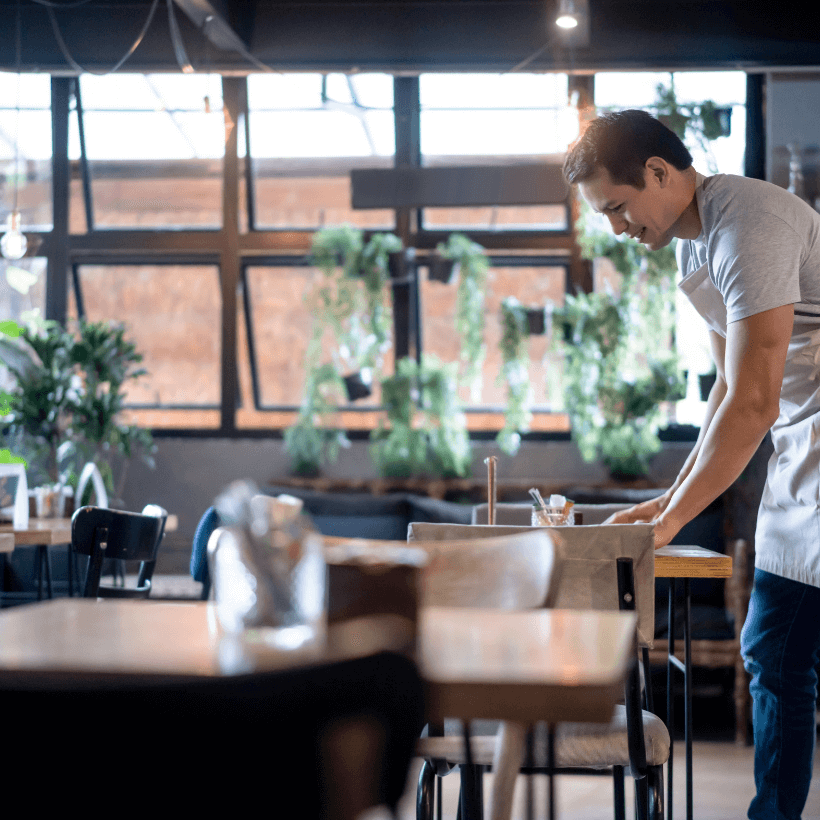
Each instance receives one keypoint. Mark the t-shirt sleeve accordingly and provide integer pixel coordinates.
(756, 265)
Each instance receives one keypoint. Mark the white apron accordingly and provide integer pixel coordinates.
(787, 540)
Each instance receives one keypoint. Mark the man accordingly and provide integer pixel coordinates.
(749, 254)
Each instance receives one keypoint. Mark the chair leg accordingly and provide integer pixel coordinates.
(654, 787)
(424, 794)
(641, 799)
(619, 792)
(472, 793)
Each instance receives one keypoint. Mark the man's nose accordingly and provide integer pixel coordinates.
(618, 223)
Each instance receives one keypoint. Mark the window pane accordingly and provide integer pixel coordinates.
(155, 145)
(534, 286)
(494, 115)
(172, 314)
(305, 140)
(282, 327)
(23, 288)
(25, 136)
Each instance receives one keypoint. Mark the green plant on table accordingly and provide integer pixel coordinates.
(107, 362)
(68, 396)
(41, 403)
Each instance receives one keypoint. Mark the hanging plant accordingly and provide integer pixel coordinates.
(619, 366)
(473, 267)
(353, 301)
(515, 374)
(425, 430)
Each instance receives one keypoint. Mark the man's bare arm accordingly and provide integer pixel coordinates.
(755, 357)
(650, 510)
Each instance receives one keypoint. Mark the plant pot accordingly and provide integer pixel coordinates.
(440, 269)
(400, 262)
(706, 382)
(536, 321)
(358, 385)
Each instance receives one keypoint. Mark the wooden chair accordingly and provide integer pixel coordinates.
(600, 568)
(504, 573)
(103, 533)
(707, 652)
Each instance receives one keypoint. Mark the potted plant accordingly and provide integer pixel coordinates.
(472, 264)
(619, 363)
(67, 400)
(425, 430)
(699, 123)
(353, 301)
(107, 362)
(40, 406)
(312, 441)
(515, 373)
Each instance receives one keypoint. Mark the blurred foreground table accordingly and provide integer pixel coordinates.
(529, 665)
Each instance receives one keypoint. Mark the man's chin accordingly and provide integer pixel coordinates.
(657, 244)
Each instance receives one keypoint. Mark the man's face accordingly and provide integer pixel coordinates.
(648, 214)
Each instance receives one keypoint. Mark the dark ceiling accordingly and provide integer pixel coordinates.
(422, 35)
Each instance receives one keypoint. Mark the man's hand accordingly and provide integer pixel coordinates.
(665, 530)
(645, 512)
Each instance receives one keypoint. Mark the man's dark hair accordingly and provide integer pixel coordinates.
(622, 142)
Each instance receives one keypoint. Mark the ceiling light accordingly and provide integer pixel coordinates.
(567, 15)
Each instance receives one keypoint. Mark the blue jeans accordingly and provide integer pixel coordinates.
(780, 644)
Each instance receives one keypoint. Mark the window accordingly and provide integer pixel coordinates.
(307, 131)
(25, 139)
(154, 145)
(473, 119)
(172, 313)
(536, 281)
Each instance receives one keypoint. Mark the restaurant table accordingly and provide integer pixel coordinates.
(687, 562)
(42, 533)
(530, 666)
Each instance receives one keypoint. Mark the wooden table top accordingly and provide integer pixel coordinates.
(52, 531)
(526, 665)
(6, 542)
(683, 561)
(48, 531)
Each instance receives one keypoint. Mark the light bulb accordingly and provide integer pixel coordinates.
(567, 14)
(13, 245)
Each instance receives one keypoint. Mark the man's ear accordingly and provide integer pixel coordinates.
(659, 169)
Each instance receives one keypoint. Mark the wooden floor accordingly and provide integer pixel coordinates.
(724, 785)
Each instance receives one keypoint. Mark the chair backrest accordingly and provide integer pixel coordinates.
(103, 533)
(520, 514)
(514, 572)
(587, 557)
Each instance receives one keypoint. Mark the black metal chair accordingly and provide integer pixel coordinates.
(102, 533)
